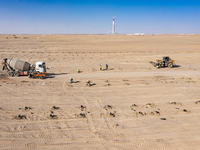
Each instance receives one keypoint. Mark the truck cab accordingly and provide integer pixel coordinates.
(40, 66)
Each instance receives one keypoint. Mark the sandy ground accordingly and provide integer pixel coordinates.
(132, 105)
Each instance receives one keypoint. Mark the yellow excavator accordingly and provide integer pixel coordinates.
(165, 62)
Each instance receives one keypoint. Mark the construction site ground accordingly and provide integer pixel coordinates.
(132, 105)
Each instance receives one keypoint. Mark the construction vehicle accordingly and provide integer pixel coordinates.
(166, 62)
(39, 71)
(17, 68)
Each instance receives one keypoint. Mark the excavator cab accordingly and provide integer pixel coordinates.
(166, 59)
(167, 62)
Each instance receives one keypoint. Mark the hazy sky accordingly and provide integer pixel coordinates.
(95, 16)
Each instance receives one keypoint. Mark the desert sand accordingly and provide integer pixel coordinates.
(132, 105)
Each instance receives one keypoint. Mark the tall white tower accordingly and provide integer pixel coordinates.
(113, 28)
(113, 31)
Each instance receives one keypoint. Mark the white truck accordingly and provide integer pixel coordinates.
(17, 68)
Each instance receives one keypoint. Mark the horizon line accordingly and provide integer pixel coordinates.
(135, 34)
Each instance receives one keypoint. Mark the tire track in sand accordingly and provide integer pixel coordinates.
(107, 120)
(89, 117)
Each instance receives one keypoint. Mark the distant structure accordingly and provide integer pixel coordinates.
(143, 34)
(113, 28)
(137, 34)
(113, 25)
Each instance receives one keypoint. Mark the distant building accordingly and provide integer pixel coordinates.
(139, 34)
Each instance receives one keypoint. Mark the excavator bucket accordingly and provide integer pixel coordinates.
(152, 62)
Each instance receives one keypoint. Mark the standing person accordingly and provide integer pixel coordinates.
(106, 66)
(100, 67)
(71, 80)
(88, 82)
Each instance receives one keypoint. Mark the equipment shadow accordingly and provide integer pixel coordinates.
(176, 66)
(53, 75)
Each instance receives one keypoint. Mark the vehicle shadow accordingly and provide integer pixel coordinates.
(176, 66)
(53, 75)
(56, 73)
